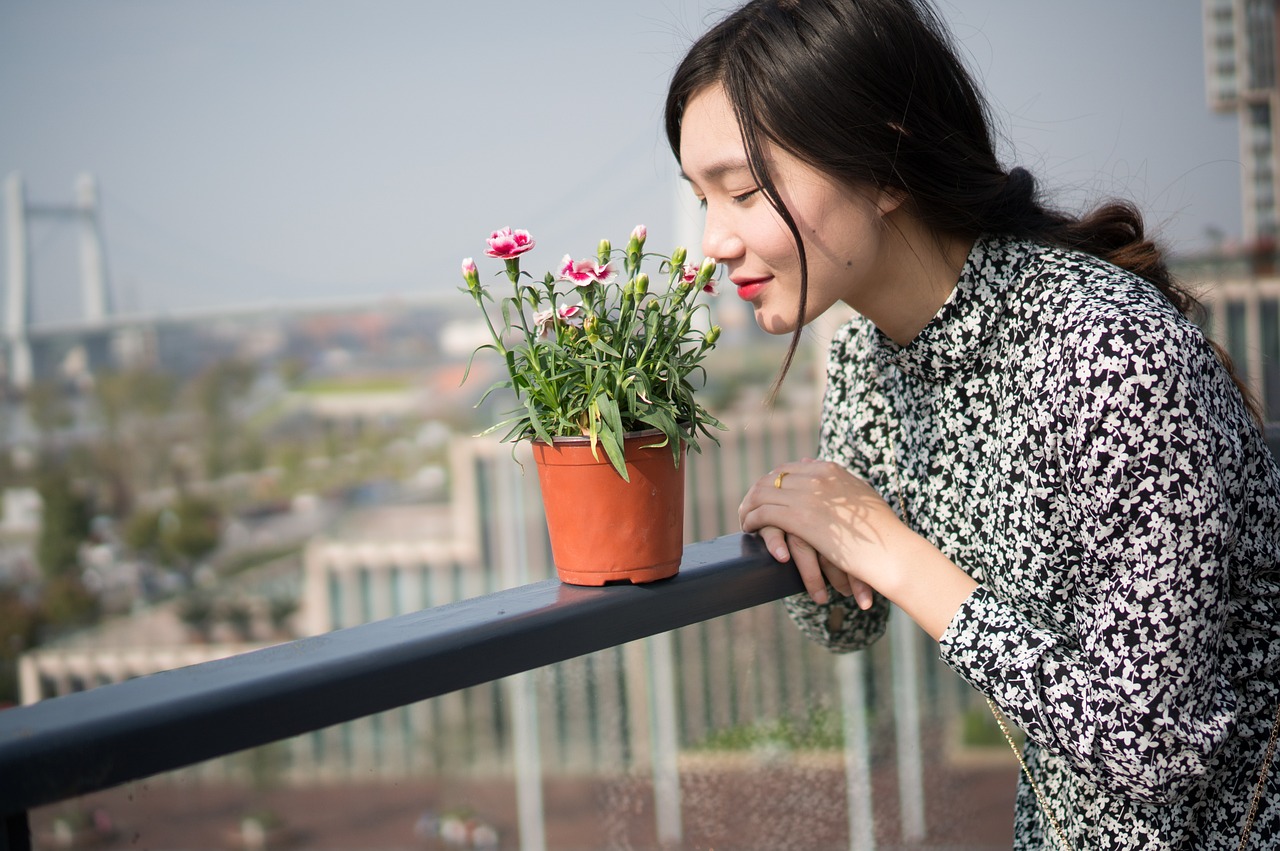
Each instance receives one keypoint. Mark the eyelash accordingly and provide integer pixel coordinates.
(737, 199)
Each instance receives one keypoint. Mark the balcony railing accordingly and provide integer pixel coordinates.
(93, 740)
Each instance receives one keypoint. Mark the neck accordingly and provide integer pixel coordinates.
(919, 270)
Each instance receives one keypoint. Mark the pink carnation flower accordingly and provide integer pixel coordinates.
(545, 320)
(584, 273)
(507, 244)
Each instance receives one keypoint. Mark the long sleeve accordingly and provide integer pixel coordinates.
(1134, 696)
(840, 625)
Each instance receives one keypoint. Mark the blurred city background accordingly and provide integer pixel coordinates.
(232, 413)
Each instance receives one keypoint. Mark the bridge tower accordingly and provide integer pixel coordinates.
(95, 293)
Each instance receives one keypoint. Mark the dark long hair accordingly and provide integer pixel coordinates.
(873, 93)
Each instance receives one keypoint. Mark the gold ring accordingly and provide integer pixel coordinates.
(777, 483)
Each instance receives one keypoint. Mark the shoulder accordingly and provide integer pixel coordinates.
(1118, 357)
(1080, 290)
(1095, 317)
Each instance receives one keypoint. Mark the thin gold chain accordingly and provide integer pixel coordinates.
(1035, 787)
(1267, 755)
(1262, 781)
(1004, 728)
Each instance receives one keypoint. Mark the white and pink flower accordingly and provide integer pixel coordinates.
(566, 314)
(586, 272)
(507, 244)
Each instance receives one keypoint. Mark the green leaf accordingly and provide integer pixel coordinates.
(466, 372)
(612, 435)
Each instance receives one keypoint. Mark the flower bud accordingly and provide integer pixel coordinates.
(638, 236)
(471, 274)
(678, 257)
(642, 285)
(604, 251)
(706, 271)
(712, 335)
(591, 324)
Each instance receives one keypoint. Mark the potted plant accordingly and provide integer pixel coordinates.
(603, 369)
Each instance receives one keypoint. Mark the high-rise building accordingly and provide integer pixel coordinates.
(1240, 74)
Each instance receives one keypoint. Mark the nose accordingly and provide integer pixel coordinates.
(719, 240)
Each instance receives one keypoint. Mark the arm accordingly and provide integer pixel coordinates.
(840, 623)
(830, 499)
(1134, 697)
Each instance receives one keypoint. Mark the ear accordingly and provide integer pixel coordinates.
(889, 199)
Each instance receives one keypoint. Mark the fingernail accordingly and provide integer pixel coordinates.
(820, 597)
(781, 554)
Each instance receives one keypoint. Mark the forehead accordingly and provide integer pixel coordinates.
(711, 146)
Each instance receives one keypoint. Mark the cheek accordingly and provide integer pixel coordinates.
(768, 236)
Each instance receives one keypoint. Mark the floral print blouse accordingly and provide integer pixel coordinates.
(1063, 435)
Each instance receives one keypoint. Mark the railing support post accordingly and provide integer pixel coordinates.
(850, 673)
(666, 741)
(520, 687)
(906, 701)
(528, 761)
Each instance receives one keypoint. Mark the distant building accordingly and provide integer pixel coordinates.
(1240, 72)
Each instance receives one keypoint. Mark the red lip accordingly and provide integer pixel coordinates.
(749, 288)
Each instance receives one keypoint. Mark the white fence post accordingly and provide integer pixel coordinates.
(665, 738)
(850, 669)
(526, 749)
(906, 709)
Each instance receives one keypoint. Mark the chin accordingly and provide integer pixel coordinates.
(774, 323)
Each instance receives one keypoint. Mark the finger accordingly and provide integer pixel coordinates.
(775, 541)
(806, 561)
(862, 594)
(840, 581)
(756, 496)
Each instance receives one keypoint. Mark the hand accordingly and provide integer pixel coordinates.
(784, 547)
(817, 501)
(836, 527)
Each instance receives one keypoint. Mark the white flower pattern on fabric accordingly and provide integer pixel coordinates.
(1071, 442)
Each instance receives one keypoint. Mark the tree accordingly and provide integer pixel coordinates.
(180, 534)
(19, 624)
(67, 604)
(65, 522)
(48, 406)
(216, 391)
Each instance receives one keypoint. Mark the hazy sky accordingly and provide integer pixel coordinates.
(271, 150)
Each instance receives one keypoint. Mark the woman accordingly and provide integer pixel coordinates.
(1026, 443)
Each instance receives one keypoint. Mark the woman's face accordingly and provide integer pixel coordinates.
(843, 234)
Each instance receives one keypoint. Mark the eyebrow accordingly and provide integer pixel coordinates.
(721, 168)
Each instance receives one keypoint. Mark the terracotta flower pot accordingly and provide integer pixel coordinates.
(604, 529)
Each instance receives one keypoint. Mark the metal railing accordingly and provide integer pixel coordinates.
(101, 738)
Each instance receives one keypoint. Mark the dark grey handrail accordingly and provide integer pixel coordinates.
(96, 739)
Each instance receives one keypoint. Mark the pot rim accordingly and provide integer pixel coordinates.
(585, 440)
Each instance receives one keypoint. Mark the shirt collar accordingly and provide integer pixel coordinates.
(958, 333)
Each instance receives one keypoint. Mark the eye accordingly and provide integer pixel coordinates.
(739, 199)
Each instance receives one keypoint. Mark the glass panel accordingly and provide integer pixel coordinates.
(725, 734)
(1269, 336)
(760, 760)
(1237, 339)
